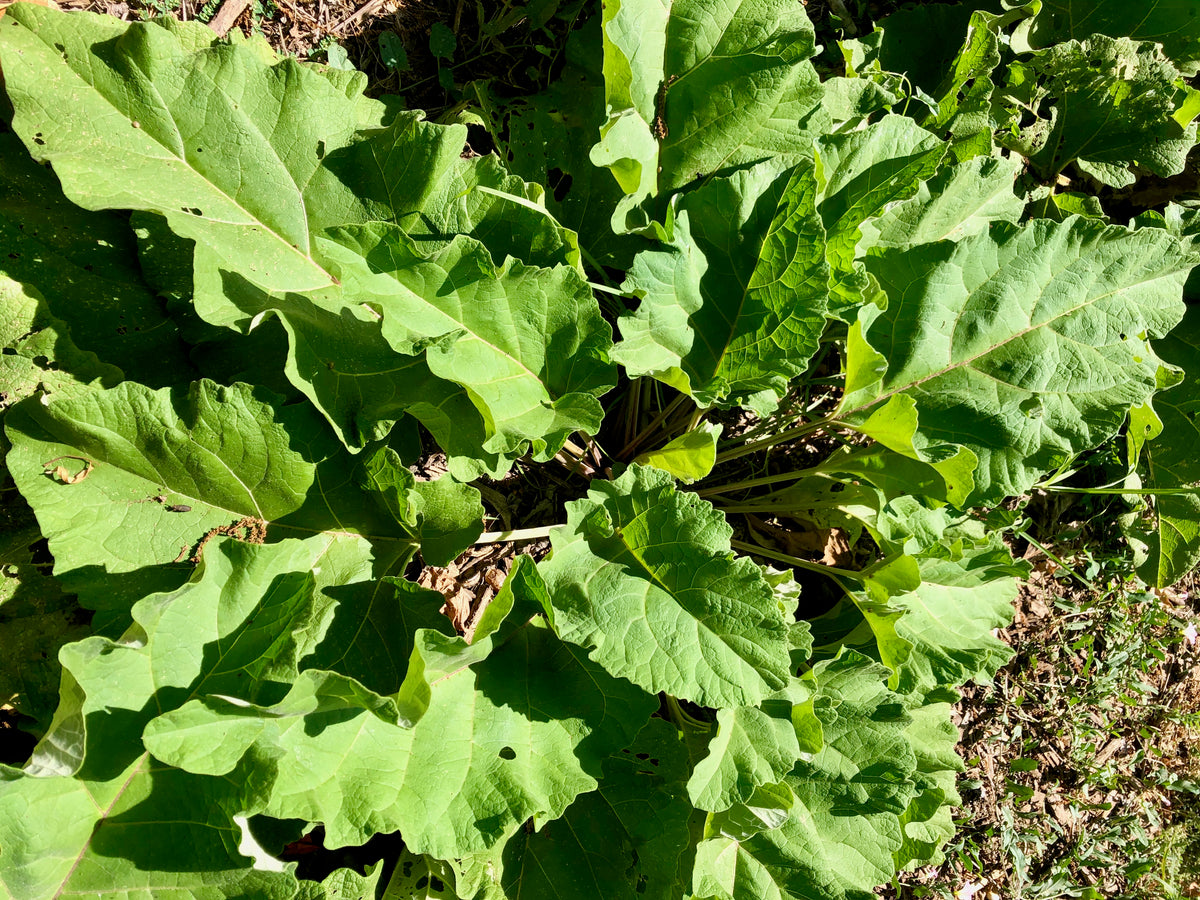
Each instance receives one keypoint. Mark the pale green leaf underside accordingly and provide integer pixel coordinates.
(689, 457)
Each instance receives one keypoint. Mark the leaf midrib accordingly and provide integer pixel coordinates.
(252, 220)
(968, 361)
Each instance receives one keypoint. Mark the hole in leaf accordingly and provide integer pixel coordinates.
(37, 139)
(559, 182)
(507, 753)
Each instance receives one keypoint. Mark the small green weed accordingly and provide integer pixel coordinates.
(1078, 781)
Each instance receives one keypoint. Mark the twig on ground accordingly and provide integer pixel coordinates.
(368, 7)
(227, 14)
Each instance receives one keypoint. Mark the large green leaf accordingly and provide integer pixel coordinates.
(130, 829)
(253, 158)
(527, 344)
(373, 633)
(1173, 23)
(735, 305)
(249, 155)
(928, 822)
(420, 877)
(215, 455)
(518, 734)
(343, 884)
(839, 836)
(642, 574)
(1023, 345)
(1106, 104)
(341, 361)
(754, 745)
(93, 812)
(84, 266)
(621, 841)
(1171, 463)
(959, 201)
(694, 90)
(861, 174)
(945, 635)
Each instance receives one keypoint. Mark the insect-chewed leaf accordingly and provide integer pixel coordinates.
(226, 453)
(622, 841)
(518, 734)
(643, 574)
(1105, 104)
(1172, 23)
